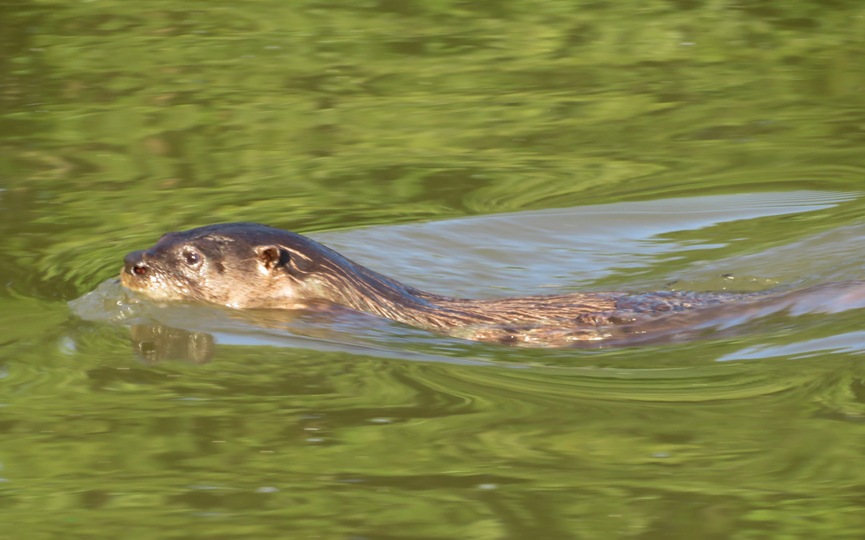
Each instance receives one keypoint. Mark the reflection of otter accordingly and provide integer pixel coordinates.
(245, 265)
(155, 343)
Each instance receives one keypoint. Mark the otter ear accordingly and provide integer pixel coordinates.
(271, 257)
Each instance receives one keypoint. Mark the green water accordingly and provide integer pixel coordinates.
(432, 139)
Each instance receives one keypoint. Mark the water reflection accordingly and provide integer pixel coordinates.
(554, 250)
(157, 343)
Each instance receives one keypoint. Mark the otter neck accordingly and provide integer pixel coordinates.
(362, 289)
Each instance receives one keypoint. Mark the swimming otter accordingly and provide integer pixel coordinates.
(247, 265)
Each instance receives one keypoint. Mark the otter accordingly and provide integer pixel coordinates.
(253, 266)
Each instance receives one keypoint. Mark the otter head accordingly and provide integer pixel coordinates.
(240, 265)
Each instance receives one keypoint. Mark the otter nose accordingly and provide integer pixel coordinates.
(134, 263)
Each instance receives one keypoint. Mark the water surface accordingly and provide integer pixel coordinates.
(478, 149)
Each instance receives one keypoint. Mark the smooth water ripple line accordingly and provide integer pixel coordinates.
(851, 342)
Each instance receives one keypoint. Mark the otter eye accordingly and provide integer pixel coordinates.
(192, 258)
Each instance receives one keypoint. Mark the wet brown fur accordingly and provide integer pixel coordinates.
(246, 265)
